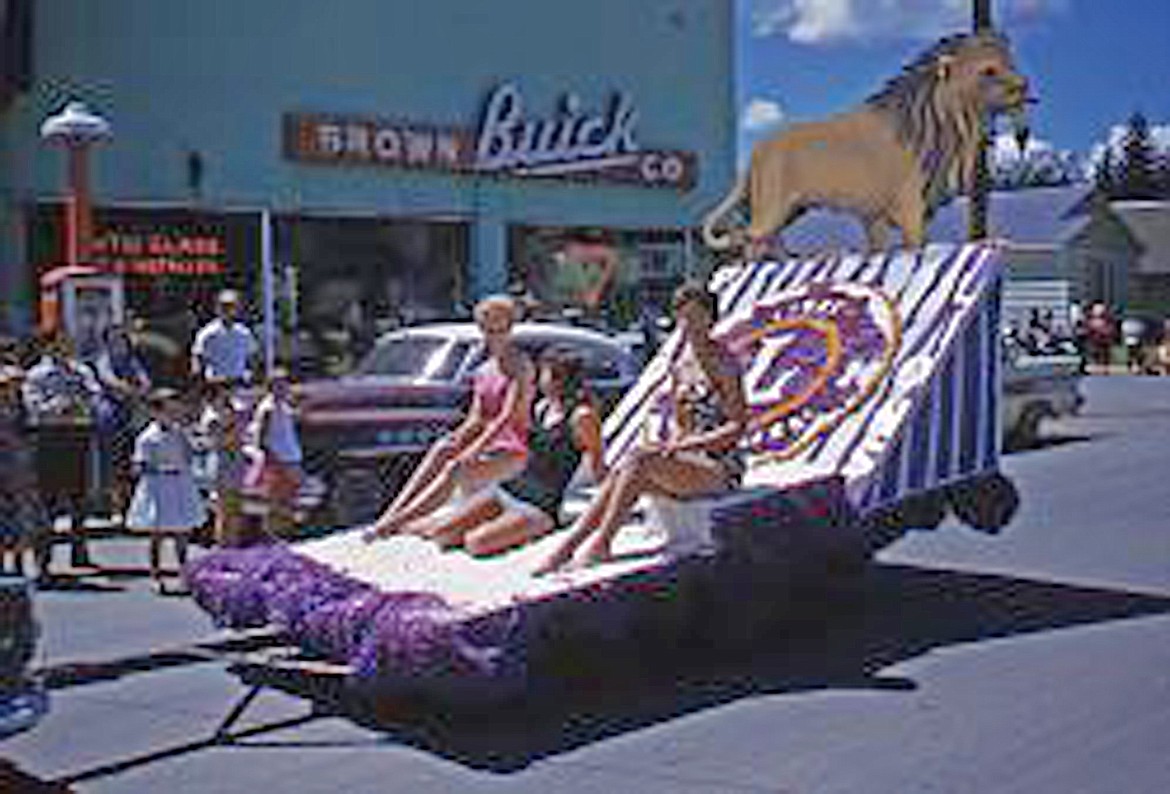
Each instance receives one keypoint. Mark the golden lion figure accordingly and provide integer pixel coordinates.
(892, 161)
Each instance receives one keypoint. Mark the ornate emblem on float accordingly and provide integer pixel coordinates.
(813, 356)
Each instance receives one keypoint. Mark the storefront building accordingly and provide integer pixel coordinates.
(410, 156)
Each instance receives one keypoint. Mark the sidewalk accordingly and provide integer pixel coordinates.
(105, 612)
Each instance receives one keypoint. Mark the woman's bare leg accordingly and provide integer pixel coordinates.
(675, 476)
(475, 511)
(156, 560)
(678, 475)
(440, 489)
(432, 464)
(511, 529)
(181, 540)
(583, 527)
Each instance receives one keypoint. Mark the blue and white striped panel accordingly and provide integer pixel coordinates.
(937, 290)
(953, 433)
(931, 289)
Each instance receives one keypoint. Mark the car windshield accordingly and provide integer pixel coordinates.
(410, 357)
(601, 362)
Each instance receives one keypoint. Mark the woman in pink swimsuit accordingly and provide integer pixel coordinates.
(491, 443)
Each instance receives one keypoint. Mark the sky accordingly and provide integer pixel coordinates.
(1092, 63)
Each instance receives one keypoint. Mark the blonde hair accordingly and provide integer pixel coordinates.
(495, 303)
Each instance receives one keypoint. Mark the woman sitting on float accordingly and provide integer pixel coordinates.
(702, 456)
(565, 429)
(490, 445)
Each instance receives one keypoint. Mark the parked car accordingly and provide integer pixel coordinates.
(23, 700)
(363, 432)
(1036, 388)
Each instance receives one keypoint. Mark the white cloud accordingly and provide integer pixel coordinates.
(761, 114)
(1006, 149)
(823, 21)
(1039, 163)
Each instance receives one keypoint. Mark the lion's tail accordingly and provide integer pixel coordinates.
(723, 242)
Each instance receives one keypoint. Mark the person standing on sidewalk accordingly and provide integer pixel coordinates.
(166, 502)
(221, 428)
(20, 519)
(1161, 351)
(1133, 332)
(225, 347)
(1100, 335)
(276, 467)
(125, 384)
(60, 396)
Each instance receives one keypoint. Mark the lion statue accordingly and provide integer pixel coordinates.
(891, 162)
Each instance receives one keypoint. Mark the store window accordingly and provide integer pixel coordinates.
(619, 279)
(350, 280)
(172, 261)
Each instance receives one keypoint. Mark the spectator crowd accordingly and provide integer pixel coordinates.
(116, 434)
(1140, 345)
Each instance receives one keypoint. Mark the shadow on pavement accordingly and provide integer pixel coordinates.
(828, 640)
(66, 675)
(16, 780)
(899, 612)
(1050, 441)
(79, 583)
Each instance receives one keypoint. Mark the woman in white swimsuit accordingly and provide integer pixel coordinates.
(702, 455)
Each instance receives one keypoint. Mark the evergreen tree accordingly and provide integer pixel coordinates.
(1163, 174)
(1138, 174)
(1106, 177)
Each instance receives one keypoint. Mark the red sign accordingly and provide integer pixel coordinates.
(165, 251)
(147, 242)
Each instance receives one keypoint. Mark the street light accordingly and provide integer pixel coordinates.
(77, 129)
(977, 207)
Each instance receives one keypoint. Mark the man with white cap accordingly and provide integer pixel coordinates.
(225, 347)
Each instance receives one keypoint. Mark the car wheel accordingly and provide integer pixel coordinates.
(1026, 431)
(986, 503)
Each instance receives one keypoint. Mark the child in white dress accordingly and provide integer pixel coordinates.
(166, 501)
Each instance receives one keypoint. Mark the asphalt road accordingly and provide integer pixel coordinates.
(1034, 661)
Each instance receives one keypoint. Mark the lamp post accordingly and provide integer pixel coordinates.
(977, 213)
(77, 129)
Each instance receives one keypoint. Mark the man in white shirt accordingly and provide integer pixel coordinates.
(225, 347)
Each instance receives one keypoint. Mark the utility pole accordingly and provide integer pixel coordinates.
(977, 212)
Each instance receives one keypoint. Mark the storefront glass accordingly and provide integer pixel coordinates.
(619, 279)
(351, 279)
(338, 282)
(172, 262)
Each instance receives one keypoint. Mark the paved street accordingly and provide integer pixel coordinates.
(1034, 661)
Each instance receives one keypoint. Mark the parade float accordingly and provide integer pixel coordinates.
(873, 382)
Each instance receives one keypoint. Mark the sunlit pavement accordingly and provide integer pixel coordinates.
(1033, 661)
